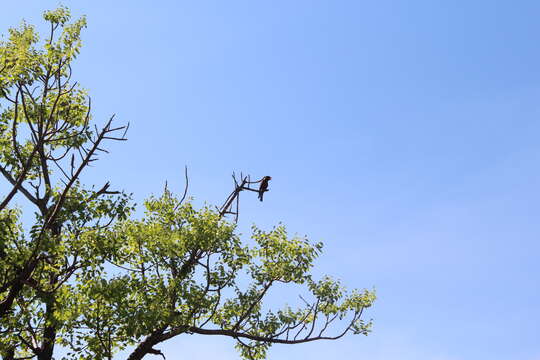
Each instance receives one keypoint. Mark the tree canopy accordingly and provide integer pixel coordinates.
(89, 277)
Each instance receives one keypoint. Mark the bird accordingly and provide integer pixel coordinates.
(264, 186)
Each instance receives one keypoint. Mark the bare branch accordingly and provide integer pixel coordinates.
(186, 187)
(17, 184)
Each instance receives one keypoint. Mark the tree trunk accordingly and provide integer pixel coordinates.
(49, 334)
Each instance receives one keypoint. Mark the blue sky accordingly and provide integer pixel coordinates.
(403, 134)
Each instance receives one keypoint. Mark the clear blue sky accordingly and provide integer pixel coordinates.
(403, 134)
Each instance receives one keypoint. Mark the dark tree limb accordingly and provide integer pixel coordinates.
(17, 185)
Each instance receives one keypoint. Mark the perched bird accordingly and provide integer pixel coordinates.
(264, 186)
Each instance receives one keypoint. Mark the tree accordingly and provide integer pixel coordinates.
(90, 277)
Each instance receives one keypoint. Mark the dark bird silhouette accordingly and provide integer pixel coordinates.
(264, 186)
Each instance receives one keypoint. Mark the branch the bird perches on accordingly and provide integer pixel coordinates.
(231, 204)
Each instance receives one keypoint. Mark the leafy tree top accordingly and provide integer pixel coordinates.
(93, 279)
